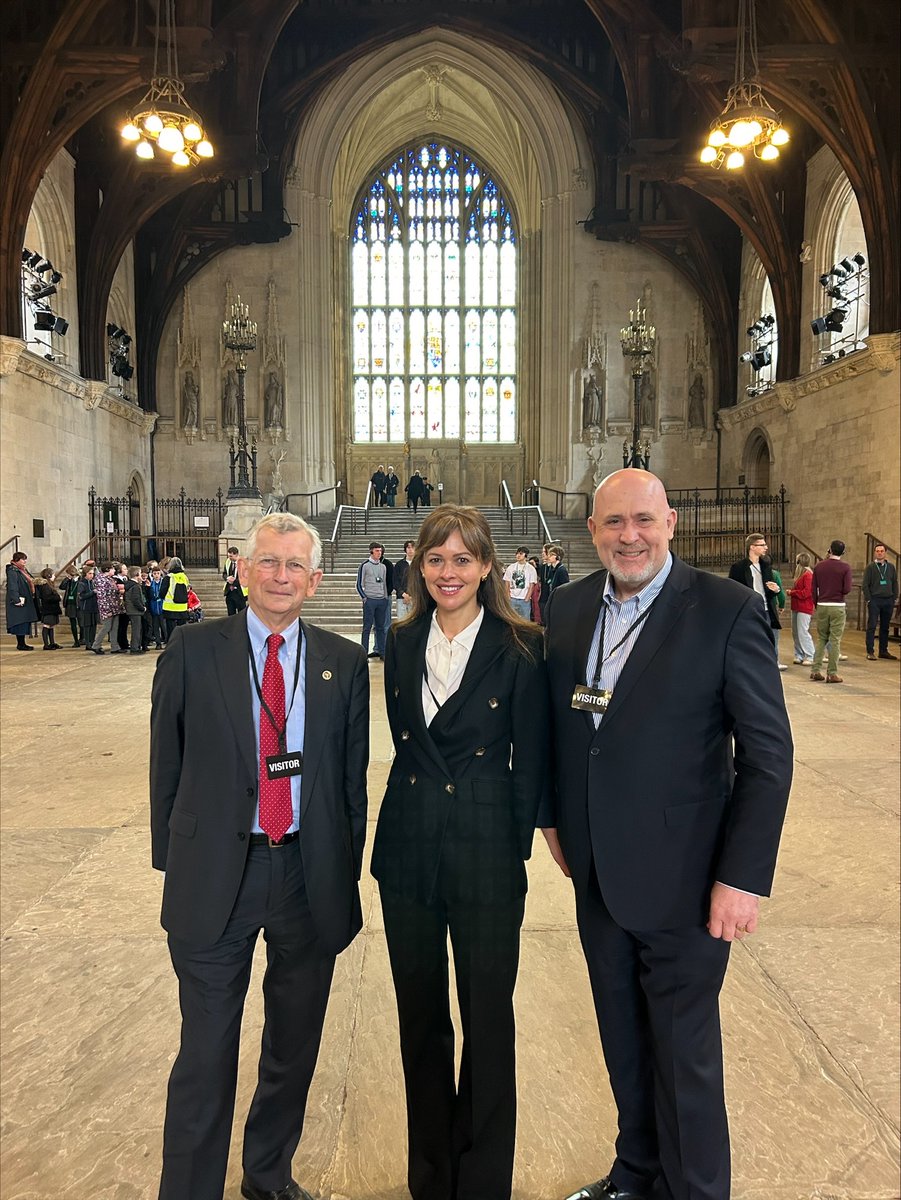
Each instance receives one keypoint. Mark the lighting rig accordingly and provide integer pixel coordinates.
(764, 336)
(39, 280)
(119, 344)
(845, 285)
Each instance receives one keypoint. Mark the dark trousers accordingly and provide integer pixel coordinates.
(656, 995)
(235, 600)
(135, 620)
(157, 628)
(121, 626)
(73, 625)
(376, 614)
(879, 612)
(173, 622)
(88, 625)
(460, 1134)
(212, 984)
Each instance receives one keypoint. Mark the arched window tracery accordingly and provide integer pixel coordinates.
(433, 301)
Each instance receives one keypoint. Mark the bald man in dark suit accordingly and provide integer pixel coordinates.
(673, 761)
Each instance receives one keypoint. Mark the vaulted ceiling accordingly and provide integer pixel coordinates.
(644, 77)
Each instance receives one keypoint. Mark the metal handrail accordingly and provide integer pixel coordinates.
(537, 487)
(370, 490)
(13, 541)
(313, 497)
(523, 510)
(331, 543)
(89, 545)
(796, 546)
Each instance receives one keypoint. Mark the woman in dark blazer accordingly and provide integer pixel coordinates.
(467, 701)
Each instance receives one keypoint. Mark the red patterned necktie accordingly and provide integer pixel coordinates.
(275, 794)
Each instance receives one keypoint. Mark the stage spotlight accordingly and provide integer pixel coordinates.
(859, 259)
(60, 326)
(824, 280)
(44, 319)
(56, 276)
(818, 326)
(746, 357)
(769, 320)
(846, 265)
(33, 258)
(26, 254)
(761, 358)
(40, 292)
(836, 319)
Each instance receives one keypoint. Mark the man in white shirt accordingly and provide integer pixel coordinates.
(520, 578)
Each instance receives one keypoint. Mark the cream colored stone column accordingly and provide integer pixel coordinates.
(317, 382)
(557, 221)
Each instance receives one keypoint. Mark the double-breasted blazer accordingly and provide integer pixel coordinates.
(204, 778)
(458, 816)
(657, 796)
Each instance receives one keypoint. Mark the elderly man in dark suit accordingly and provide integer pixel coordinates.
(259, 749)
(673, 760)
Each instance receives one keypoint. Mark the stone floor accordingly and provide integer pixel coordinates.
(89, 1015)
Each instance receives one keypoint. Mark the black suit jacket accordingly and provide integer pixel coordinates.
(458, 817)
(655, 796)
(741, 573)
(204, 777)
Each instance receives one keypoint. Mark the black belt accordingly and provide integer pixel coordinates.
(263, 839)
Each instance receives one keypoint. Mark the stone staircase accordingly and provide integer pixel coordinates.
(336, 605)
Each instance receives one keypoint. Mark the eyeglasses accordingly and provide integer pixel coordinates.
(270, 565)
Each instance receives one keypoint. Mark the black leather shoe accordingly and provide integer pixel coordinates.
(291, 1191)
(887, 655)
(605, 1189)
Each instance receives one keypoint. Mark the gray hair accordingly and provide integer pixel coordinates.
(174, 565)
(285, 522)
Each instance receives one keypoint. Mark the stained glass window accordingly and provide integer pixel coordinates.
(433, 322)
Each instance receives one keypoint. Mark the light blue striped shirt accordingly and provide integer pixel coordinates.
(620, 616)
(287, 656)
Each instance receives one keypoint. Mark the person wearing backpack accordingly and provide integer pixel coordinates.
(174, 595)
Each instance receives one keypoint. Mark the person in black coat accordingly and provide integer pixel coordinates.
(755, 571)
(21, 609)
(378, 481)
(672, 768)
(415, 491)
(466, 697)
(50, 607)
(86, 603)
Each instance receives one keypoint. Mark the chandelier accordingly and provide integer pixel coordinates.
(748, 122)
(163, 118)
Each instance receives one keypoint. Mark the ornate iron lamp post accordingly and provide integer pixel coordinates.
(239, 334)
(638, 339)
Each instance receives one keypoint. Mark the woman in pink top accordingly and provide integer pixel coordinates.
(802, 609)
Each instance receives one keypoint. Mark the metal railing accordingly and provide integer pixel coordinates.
(88, 550)
(537, 490)
(523, 513)
(353, 517)
(194, 550)
(336, 489)
(713, 525)
(11, 541)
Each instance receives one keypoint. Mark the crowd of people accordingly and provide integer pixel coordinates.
(132, 609)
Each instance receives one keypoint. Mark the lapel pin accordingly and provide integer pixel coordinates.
(326, 674)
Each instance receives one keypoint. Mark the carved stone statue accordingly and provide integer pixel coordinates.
(646, 398)
(592, 415)
(273, 399)
(697, 403)
(230, 402)
(278, 457)
(190, 401)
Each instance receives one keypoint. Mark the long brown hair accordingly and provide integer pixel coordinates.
(475, 533)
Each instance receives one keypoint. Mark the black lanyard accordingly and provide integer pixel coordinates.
(281, 734)
(601, 657)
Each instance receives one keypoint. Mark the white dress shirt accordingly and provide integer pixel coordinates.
(445, 664)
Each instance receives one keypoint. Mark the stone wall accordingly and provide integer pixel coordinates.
(834, 438)
(60, 435)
